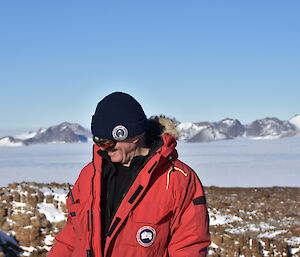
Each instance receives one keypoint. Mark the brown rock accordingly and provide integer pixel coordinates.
(3, 212)
(55, 202)
(29, 236)
(5, 226)
(16, 196)
(49, 199)
(32, 201)
(40, 197)
(21, 219)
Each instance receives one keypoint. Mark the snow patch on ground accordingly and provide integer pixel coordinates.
(272, 233)
(261, 226)
(58, 194)
(19, 204)
(27, 250)
(218, 219)
(52, 214)
(294, 241)
(49, 240)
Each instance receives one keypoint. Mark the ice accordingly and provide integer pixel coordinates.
(240, 162)
(245, 162)
(43, 163)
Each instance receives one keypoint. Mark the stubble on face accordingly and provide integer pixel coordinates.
(124, 151)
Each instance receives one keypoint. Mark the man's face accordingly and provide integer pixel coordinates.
(123, 152)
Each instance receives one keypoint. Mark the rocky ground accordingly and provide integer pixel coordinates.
(254, 221)
(244, 221)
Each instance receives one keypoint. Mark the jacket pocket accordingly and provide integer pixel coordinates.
(79, 217)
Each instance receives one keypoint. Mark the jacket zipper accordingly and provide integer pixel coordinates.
(88, 220)
(71, 194)
(129, 186)
(91, 223)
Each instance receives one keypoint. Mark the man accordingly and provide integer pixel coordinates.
(135, 198)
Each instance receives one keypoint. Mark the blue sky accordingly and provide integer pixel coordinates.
(192, 60)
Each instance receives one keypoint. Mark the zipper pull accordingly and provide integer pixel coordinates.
(71, 194)
(89, 253)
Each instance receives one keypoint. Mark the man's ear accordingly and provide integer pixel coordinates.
(135, 139)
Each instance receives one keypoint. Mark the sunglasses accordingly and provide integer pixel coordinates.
(104, 143)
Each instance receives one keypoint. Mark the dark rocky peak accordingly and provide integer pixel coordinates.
(230, 127)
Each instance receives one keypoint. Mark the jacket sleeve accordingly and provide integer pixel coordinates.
(190, 226)
(64, 242)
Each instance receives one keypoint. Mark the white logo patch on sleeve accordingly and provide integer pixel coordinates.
(146, 236)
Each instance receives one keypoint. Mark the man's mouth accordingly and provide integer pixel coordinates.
(112, 150)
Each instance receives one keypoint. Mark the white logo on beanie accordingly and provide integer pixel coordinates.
(120, 133)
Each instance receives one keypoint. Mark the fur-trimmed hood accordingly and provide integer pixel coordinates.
(157, 126)
(169, 126)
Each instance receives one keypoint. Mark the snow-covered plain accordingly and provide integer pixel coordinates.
(236, 163)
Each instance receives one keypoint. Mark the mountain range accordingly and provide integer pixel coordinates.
(63, 133)
(267, 128)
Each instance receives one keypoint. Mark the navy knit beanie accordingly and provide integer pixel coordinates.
(118, 116)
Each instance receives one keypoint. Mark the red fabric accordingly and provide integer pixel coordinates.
(165, 204)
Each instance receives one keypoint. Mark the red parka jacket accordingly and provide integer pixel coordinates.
(163, 214)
